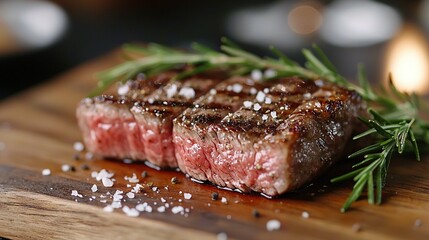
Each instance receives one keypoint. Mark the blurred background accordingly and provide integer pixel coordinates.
(40, 39)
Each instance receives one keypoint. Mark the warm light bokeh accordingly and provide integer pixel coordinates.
(408, 60)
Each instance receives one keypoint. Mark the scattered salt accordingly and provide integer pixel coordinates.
(266, 90)
(187, 195)
(224, 200)
(260, 96)
(171, 90)
(256, 107)
(132, 179)
(116, 204)
(65, 167)
(256, 75)
(247, 104)
(94, 188)
(305, 214)
(161, 209)
(273, 114)
(187, 92)
(154, 189)
(268, 100)
(74, 193)
(130, 195)
(270, 73)
(123, 89)
(237, 88)
(78, 146)
(306, 95)
(131, 212)
(273, 225)
(253, 91)
(264, 117)
(107, 182)
(213, 91)
(163, 200)
(102, 174)
(177, 209)
(148, 209)
(317, 104)
(108, 208)
(319, 83)
(141, 207)
(46, 172)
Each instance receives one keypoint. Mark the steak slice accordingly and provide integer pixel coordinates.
(191, 133)
(278, 141)
(155, 116)
(109, 128)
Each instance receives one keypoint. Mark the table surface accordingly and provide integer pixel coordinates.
(38, 129)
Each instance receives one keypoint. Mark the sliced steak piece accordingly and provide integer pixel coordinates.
(297, 129)
(109, 128)
(191, 133)
(155, 116)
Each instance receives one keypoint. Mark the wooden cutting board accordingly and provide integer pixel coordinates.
(38, 129)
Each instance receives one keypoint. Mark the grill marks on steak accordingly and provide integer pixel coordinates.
(155, 117)
(294, 136)
(109, 128)
(193, 136)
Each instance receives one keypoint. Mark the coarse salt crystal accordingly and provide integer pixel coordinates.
(78, 146)
(306, 95)
(268, 100)
(76, 194)
(117, 198)
(163, 200)
(187, 92)
(253, 91)
(305, 214)
(130, 195)
(128, 185)
(137, 188)
(273, 114)
(260, 96)
(123, 89)
(213, 91)
(103, 174)
(177, 209)
(187, 195)
(256, 75)
(273, 225)
(141, 207)
(247, 104)
(94, 174)
(224, 200)
(103, 201)
(46, 172)
(65, 167)
(171, 90)
(94, 188)
(270, 73)
(154, 189)
(108, 208)
(256, 107)
(161, 209)
(151, 100)
(264, 117)
(132, 179)
(319, 83)
(237, 88)
(266, 90)
(107, 182)
(116, 204)
(148, 209)
(131, 212)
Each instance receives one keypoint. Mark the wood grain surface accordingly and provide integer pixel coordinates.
(38, 129)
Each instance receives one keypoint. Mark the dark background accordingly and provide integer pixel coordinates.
(97, 27)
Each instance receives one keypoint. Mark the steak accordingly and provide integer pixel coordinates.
(280, 139)
(264, 136)
(138, 124)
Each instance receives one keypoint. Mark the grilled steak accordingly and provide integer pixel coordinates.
(109, 128)
(138, 125)
(268, 137)
(279, 140)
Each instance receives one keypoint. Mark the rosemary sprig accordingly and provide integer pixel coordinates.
(395, 123)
